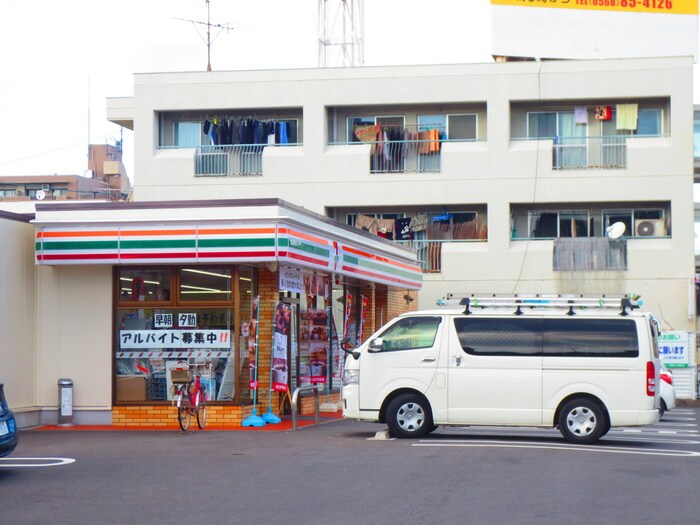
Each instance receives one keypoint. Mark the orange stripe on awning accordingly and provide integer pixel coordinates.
(224, 231)
(381, 259)
(104, 233)
(308, 237)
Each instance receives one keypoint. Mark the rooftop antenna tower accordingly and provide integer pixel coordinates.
(208, 40)
(341, 33)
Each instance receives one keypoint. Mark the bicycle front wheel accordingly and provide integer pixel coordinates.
(201, 408)
(184, 408)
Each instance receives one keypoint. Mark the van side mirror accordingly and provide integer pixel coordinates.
(375, 345)
(348, 350)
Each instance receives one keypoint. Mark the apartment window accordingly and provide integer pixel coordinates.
(696, 134)
(456, 127)
(552, 224)
(422, 226)
(570, 138)
(188, 134)
(353, 123)
(638, 222)
(649, 124)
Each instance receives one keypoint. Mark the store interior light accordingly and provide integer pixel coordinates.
(157, 283)
(203, 272)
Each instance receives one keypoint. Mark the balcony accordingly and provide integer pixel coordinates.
(589, 152)
(405, 156)
(589, 254)
(229, 160)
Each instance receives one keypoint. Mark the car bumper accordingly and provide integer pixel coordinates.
(351, 401)
(7, 445)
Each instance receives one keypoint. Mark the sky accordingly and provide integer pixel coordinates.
(60, 61)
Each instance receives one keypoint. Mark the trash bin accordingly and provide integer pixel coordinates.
(65, 402)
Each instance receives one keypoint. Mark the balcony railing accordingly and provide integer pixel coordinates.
(590, 152)
(404, 156)
(229, 160)
(592, 254)
(429, 253)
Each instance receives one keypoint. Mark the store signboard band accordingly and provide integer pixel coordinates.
(673, 7)
(202, 244)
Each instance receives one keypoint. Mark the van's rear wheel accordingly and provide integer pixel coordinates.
(581, 421)
(408, 416)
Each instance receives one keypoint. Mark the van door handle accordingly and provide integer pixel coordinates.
(429, 360)
(458, 361)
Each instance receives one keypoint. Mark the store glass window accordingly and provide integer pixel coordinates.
(315, 330)
(212, 284)
(156, 330)
(144, 284)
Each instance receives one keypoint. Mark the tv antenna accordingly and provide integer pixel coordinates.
(209, 41)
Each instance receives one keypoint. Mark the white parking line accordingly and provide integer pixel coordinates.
(566, 447)
(35, 462)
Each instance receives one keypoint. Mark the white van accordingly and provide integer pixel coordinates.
(577, 364)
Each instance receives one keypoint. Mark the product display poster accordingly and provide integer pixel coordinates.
(280, 338)
(314, 341)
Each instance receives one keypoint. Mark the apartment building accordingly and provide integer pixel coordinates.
(510, 173)
(504, 177)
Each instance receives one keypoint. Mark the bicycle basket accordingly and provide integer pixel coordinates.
(180, 376)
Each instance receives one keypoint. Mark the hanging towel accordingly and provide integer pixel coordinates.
(581, 115)
(627, 116)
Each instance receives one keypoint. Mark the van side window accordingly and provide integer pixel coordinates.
(590, 338)
(411, 333)
(500, 336)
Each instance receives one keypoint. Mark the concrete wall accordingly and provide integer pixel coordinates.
(74, 340)
(18, 359)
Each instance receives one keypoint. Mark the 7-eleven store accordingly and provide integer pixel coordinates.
(127, 291)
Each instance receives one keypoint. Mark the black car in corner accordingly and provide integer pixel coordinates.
(8, 426)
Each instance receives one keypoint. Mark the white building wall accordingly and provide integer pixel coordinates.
(74, 340)
(17, 320)
(496, 171)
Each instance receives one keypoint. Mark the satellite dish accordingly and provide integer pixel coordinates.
(40, 195)
(616, 230)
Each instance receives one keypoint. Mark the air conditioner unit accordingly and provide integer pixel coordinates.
(649, 228)
(46, 187)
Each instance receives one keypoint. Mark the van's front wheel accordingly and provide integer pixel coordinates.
(408, 416)
(581, 421)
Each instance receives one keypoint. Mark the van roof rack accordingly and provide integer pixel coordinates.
(625, 303)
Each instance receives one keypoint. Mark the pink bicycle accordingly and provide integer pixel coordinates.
(190, 395)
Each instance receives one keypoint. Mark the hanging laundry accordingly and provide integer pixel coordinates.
(367, 133)
(364, 222)
(603, 112)
(402, 229)
(626, 115)
(581, 115)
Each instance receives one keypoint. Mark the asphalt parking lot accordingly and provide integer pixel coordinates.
(346, 472)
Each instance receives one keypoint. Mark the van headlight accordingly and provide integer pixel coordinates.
(351, 376)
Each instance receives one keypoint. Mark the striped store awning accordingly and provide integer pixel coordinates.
(83, 235)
